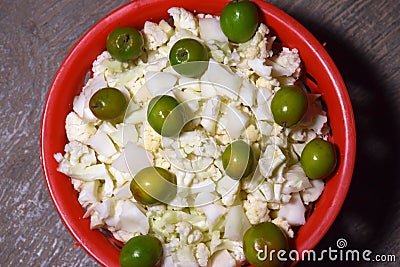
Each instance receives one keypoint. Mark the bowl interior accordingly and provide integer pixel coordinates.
(322, 77)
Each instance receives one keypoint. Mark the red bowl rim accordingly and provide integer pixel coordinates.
(321, 225)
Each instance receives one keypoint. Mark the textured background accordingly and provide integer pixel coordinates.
(362, 36)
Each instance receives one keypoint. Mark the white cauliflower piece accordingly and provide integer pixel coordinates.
(296, 179)
(183, 229)
(78, 154)
(252, 133)
(271, 160)
(202, 254)
(270, 84)
(130, 218)
(256, 210)
(311, 194)
(195, 237)
(184, 257)
(222, 258)
(210, 114)
(256, 47)
(120, 178)
(155, 35)
(284, 225)
(88, 193)
(228, 189)
(99, 66)
(103, 146)
(210, 29)
(123, 134)
(236, 223)
(288, 63)
(123, 236)
(123, 191)
(234, 121)
(183, 19)
(257, 64)
(151, 139)
(160, 160)
(294, 211)
(156, 210)
(77, 129)
(238, 253)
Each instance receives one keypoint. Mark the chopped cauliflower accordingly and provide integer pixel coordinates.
(77, 153)
(184, 20)
(151, 139)
(312, 193)
(77, 129)
(256, 210)
(202, 254)
(284, 225)
(204, 224)
(156, 36)
(257, 46)
(287, 63)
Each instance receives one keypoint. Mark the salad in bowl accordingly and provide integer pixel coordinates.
(197, 140)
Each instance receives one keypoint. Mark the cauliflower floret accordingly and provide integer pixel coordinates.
(222, 258)
(210, 30)
(202, 254)
(155, 35)
(210, 114)
(256, 47)
(311, 194)
(294, 211)
(195, 237)
(99, 66)
(256, 210)
(257, 64)
(160, 160)
(228, 189)
(77, 129)
(183, 229)
(183, 19)
(124, 236)
(290, 60)
(156, 210)
(151, 139)
(270, 84)
(252, 133)
(296, 179)
(238, 253)
(77, 153)
(88, 192)
(104, 147)
(271, 160)
(284, 225)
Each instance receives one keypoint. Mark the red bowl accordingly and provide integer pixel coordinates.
(322, 77)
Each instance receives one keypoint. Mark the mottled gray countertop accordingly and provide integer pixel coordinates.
(363, 38)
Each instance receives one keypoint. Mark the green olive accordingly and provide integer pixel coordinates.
(125, 43)
(262, 243)
(288, 105)
(318, 158)
(108, 103)
(189, 57)
(239, 20)
(141, 251)
(153, 185)
(165, 115)
(238, 159)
